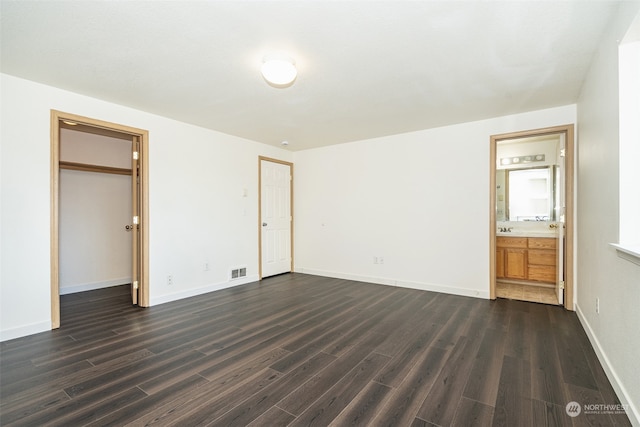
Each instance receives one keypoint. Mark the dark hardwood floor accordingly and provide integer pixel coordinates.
(304, 350)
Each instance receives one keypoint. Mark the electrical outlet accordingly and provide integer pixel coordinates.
(206, 266)
(375, 259)
(597, 305)
(169, 280)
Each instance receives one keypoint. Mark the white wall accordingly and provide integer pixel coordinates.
(95, 247)
(601, 273)
(197, 212)
(419, 200)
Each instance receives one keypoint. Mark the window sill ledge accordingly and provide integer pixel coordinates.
(629, 252)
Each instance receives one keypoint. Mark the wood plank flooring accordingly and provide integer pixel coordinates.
(304, 350)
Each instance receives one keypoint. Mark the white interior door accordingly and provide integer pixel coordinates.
(275, 217)
(560, 217)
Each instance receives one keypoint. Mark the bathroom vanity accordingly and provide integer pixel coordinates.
(526, 258)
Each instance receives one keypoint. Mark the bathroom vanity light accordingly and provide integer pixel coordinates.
(522, 159)
(279, 70)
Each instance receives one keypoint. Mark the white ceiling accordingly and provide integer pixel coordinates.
(366, 68)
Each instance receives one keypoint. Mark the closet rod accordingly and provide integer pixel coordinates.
(93, 168)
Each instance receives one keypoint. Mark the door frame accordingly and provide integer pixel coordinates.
(105, 128)
(568, 131)
(282, 162)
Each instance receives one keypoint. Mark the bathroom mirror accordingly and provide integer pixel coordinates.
(527, 178)
(525, 194)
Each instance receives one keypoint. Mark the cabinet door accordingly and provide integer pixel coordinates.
(500, 263)
(515, 261)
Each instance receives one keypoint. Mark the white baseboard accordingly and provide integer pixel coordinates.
(64, 290)
(618, 386)
(445, 289)
(23, 331)
(202, 290)
(46, 326)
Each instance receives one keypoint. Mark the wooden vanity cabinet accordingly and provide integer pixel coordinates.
(526, 258)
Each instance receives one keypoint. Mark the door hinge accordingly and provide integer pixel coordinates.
(562, 284)
(135, 155)
(135, 284)
(136, 219)
(562, 152)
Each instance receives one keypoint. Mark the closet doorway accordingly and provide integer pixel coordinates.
(92, 156)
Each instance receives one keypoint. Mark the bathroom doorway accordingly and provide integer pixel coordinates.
(531, 215)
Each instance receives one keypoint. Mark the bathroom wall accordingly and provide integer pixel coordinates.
(547, 147)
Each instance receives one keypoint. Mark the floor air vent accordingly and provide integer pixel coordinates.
(237, 273)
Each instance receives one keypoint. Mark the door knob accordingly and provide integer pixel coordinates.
(264, 224)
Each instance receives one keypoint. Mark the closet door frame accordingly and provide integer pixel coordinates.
(104, 128)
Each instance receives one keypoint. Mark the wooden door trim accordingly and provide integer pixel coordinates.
(135, 208)
(57, 118)
(568, 131)
(282, 162)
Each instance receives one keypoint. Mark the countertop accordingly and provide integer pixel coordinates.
(527, 233)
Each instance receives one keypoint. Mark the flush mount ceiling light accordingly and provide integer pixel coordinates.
(279, 70)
